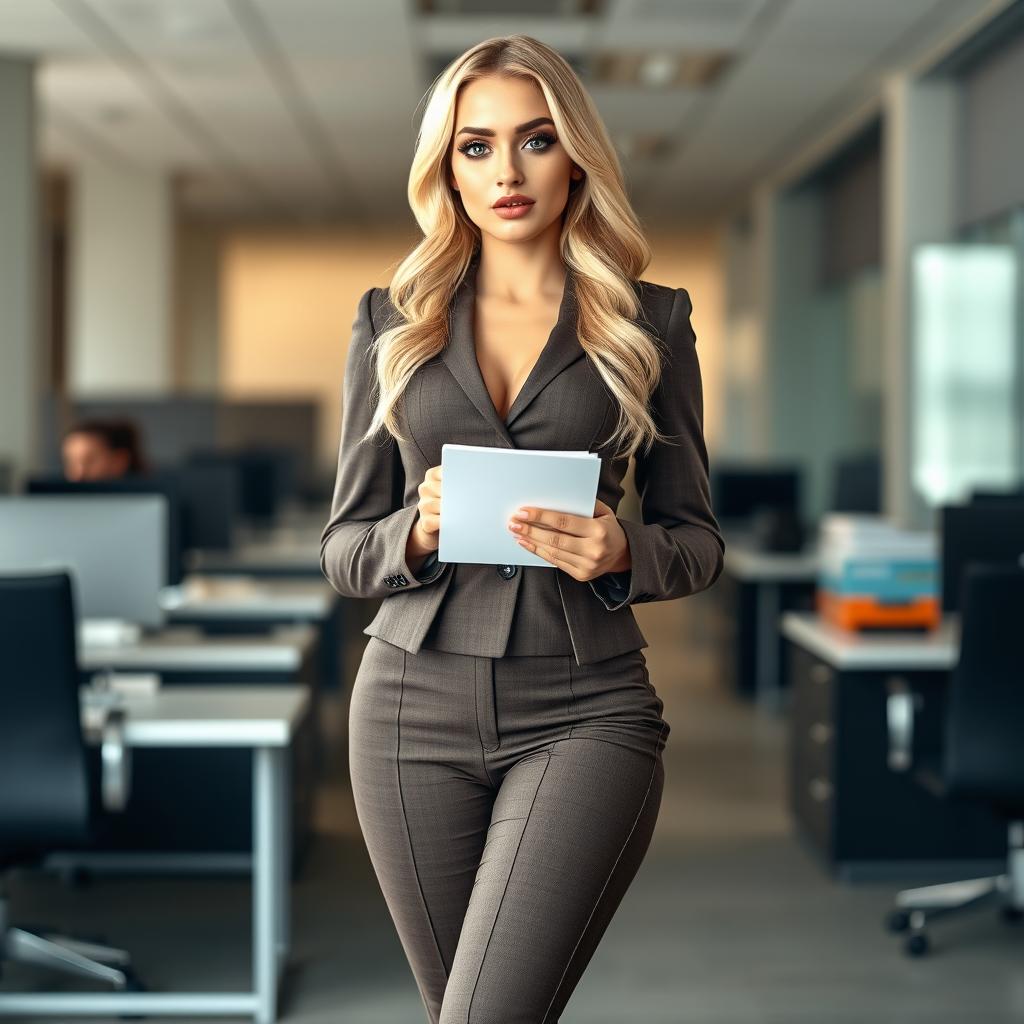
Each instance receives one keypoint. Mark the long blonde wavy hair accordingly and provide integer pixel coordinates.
(601, 242)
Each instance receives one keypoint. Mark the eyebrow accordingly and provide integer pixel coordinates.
(520, 128)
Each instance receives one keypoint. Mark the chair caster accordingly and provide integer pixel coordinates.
(916, 945)
(897, 921)
(1012, 915)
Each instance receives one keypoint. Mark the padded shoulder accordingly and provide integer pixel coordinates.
(656, 300)
(382, 310)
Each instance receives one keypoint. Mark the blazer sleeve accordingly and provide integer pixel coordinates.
(362, 547)
(678, 549)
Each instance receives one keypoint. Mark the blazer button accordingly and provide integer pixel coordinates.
(507, 571)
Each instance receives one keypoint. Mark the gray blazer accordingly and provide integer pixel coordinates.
(677, 550)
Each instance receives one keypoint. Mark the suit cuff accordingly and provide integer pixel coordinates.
(619, 589)
(612, 588)
(402, 577)
(431, 568)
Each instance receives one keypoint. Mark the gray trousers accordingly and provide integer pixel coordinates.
(506, 804)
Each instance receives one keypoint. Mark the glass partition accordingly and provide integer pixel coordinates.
(966, 371)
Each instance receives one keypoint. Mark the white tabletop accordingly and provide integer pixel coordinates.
(893, 649)
(748, 563)
(208, 715)
(187, 647)
(244, 597)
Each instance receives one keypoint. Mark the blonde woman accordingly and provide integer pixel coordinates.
(505, 739)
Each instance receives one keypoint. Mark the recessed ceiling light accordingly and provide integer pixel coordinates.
(512, 8)
(659, 68)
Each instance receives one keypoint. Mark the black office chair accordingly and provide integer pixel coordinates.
(981, 757)
(49, 788)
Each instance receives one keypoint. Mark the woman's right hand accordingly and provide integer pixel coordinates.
(426, 532)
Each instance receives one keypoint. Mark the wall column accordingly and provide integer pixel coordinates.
(919, 165)
(21, 353)
(121, 281)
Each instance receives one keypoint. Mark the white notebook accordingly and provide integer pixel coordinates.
(481, 487)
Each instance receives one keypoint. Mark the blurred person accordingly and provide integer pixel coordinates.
(505, 740)
(101, 449)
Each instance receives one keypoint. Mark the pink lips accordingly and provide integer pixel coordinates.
(503, 208)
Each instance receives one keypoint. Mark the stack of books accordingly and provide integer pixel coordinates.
(874, 575)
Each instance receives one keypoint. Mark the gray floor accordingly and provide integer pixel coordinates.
(730, 920)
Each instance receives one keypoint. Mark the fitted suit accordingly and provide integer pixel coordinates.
(507, 799)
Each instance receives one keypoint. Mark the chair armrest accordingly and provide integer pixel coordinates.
(115, 758)
(901, 705)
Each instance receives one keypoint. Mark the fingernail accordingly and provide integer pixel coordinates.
(514, 526)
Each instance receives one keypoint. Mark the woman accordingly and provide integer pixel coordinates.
(97, 449)
(505, 740)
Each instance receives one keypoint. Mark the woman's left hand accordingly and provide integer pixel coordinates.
(585, 547)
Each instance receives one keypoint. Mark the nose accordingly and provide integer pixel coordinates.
(509, 173)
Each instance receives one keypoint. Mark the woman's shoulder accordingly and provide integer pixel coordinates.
(382, 310)
(657, 301)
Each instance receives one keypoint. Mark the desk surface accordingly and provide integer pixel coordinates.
(244, 597)
(896, 650)
(208, 715)
(749, 564)
(187, 647)
(295, 554)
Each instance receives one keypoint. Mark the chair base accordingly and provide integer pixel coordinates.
(914, 908)
(63, 953)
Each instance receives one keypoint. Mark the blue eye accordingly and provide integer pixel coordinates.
(548, 140)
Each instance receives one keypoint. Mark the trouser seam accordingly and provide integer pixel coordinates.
(405, 819)
(572, 699)
(597, 902)
(512, 867)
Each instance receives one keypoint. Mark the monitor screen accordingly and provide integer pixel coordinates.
(160, 483)
(980, 532)
(115, 547)
(740, 492)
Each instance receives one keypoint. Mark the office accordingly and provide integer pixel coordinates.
(737, 723)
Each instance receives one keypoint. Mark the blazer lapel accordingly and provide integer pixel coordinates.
(561, 350)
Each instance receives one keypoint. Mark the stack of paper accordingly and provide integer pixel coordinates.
(482, 487)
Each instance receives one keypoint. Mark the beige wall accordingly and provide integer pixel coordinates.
(289, 299)
(696, 262)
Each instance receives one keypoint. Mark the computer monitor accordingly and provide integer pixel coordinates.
(979, 496)
(979, 532)
(164, 483)
(857, 483)
(211, 502)
(265, 473)
(738, 492)
(115, 547)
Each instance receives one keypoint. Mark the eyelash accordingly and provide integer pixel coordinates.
(544, 136)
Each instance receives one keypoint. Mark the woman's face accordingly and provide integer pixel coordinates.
(505, 143)
(87, 457)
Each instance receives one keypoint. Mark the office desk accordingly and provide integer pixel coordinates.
(245, 598)
(181, 653)
(202, 822)
(221, 605)
(284, 554)
(863, 819)
(261, 720)
(759, 585)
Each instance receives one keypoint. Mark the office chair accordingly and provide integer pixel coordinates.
(49, 790)
(981, 757)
